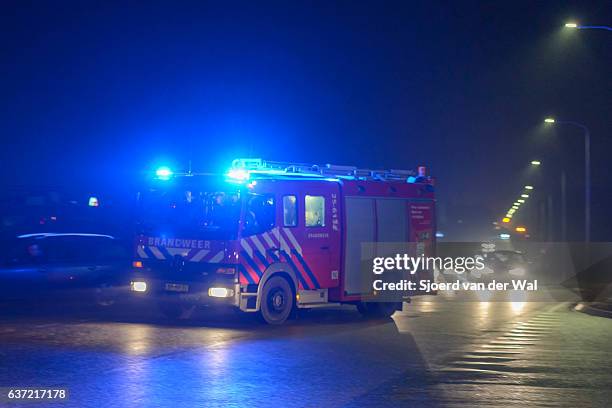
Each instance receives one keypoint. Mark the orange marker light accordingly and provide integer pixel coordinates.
(521, 229)
(137, 264)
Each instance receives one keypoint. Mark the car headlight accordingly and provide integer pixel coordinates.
(138, 286)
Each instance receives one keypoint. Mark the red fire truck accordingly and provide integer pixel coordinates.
(271, 237)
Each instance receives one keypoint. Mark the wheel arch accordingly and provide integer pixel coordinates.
(277, 269)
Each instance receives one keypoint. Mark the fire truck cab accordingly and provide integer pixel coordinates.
(271, 237)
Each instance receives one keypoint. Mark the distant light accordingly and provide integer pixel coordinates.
(520, 229)
(536, 162)
(139, 286)
(93, 202)
(439, 234)
(220, 292)
(238, 174)
(137, 264)
(504, 236)
(528, 187)
(517, 203)
(571, 25)
(521, 201)
(515, 207)
(525, 195)
(518, 271)
(549, 120)
(506, 219)
(411, 179)
(163, 173)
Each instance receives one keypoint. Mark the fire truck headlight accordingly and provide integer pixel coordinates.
(139, 286)
(220, 292)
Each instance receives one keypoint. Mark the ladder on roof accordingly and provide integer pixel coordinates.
(326, 170)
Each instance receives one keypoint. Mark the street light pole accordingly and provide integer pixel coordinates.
(587, 173)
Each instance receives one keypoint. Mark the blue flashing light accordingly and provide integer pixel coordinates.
(163, 173)
(238, 174)
(411, 179)
(93, 202)
(504, 236)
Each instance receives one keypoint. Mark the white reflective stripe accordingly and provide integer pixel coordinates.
(268, 240)
(277, 235)
(293, 240)
(218, 257)
(283, 245)
(257, 243)
(246, 247)
(141, 252)
(156, 252)
(177, 251)
(201, 254)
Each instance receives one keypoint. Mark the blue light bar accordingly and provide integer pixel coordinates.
(238, 174)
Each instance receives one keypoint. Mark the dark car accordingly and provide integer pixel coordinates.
(505, 265)
(42, 264)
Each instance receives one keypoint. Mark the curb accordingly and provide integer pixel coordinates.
(593, 311)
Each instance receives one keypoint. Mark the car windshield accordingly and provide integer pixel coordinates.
(190, 212)
(510, 257)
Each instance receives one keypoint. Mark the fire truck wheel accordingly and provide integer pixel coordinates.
(176, 311)
(377, 309)
(277, 300)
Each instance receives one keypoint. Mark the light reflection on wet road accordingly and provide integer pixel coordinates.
(440, 351)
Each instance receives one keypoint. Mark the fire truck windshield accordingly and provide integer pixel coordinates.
(190, 213)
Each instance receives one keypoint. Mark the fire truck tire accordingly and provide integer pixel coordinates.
(377, 309)
(277, 300)
(175, 311)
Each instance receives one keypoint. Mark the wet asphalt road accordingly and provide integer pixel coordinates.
(439, 351)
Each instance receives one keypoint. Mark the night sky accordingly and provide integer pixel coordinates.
(97, 93)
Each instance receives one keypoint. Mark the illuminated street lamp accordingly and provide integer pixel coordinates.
(587, 172)
(585, 27)
(525, 195)
(521, 201)
(528, 187)
(536, 162)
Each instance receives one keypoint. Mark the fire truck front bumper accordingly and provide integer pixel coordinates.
(215, 292)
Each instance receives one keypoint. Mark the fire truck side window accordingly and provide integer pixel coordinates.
(315, 211)
(260, 214)
(289, 211)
